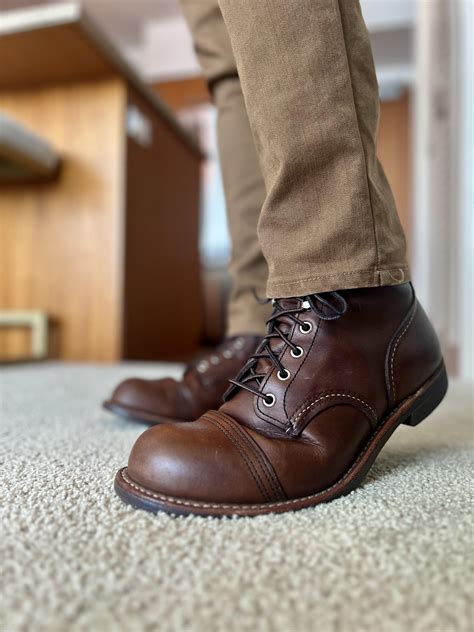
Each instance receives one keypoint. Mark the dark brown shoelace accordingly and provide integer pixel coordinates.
(332, 306)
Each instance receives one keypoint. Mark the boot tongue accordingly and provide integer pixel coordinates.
(289, 303)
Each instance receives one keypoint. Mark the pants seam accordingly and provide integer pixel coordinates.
(376, 245)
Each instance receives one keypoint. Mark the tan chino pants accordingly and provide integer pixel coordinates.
(295, 88)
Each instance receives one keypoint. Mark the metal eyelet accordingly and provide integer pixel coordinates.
(271, 397)
(227, 354)
(215, 359)
(306, 327)
(286, 375)
(239, 343)
(203, 366)
(297, 353)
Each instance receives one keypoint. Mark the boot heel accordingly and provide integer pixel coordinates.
(429, 400)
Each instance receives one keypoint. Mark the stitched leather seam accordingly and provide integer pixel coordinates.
(331, 395)
(394, 349)
(294, 501)
(265, 416)
(313, 342)
(261, 413)
(234, 429)
(267, 468)
(241, 450)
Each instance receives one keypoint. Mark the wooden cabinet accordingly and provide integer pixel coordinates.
(109, 248)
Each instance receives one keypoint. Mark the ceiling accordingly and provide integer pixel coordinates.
(123, 20)
(153, 36)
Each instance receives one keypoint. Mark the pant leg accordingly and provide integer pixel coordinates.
(244, 187)
(329, 219)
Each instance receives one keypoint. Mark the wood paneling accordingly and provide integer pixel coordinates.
(59, 43)
(31, 58)
(15, 343)
(183, 93)
(115, 236)
(163, 295)
(60, 243)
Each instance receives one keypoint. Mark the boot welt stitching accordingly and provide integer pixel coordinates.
(189, 503)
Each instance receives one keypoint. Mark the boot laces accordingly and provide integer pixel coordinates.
(248, 378)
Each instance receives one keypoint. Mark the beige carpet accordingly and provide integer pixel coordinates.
(395, 555)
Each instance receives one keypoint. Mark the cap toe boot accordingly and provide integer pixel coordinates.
(306, 416)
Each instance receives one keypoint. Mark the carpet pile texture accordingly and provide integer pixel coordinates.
(394, 555)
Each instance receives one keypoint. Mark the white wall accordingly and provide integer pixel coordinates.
(381, 15)
(165, 51)
(466, 197)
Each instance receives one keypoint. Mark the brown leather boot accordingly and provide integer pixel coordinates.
(306, 417)
(201, 388)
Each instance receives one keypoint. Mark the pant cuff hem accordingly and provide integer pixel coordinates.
(339, 281)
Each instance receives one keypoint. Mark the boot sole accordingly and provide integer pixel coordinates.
(411, 412)
(138, 416)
